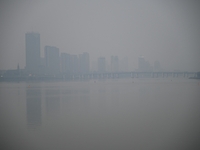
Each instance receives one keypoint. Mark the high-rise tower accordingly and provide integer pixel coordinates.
(143, 65)
(65, 63)
(84, 62)
(114, 64)
(52, 60)
(32, 52)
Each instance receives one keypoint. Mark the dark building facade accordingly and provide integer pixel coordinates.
(84, 60)
(143, 65)
(74, 64)
(52, 60)
(114, 64)
(65, 63)
(32, 52)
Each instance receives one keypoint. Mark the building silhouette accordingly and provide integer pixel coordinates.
(74, 64)
(114, 64)
(101, 64)
(123, 65)
(32, 41)
(52, 60)
(52, 63)
(65, 63)
(143, 65)
(84, 60)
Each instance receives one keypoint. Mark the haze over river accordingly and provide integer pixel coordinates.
(112, 114)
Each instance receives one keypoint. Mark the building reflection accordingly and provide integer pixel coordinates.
(115, 98)
(52, 102)
(102, 98)
(33, 106)
(84, 100)
(76, 100)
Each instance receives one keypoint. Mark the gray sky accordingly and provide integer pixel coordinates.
(167, 31)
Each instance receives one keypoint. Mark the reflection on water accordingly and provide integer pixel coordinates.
(52, 102)
(75, 100)
(33, 106)
(112, 114)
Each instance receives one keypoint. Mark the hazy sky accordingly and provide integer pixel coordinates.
(167, 31)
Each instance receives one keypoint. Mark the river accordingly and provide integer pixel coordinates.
(112, 114)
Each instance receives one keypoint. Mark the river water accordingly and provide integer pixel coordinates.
(112, 114)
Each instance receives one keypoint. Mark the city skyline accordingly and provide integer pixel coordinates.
(56, 65)
(167, 32)
(55, 62)
(108, 66)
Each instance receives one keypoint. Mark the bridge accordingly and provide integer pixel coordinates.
(132, 74)
(105, 75)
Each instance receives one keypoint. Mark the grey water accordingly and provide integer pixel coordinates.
(112, 114)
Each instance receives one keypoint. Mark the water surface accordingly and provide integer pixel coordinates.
(102, 114)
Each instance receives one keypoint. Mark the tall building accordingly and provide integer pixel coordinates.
(52, 60)
(101, 64)
(74, 64)
(124, 64)
(143, 65)
(114, 64)
(32, 52)
(65, 63)
(84, 60)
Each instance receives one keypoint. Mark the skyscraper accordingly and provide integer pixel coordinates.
(143, 65)
(74, 64)
(65, 63)
(52, 60)
(84, 60)
(114, 64)
(32, 52)
(123, 65)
